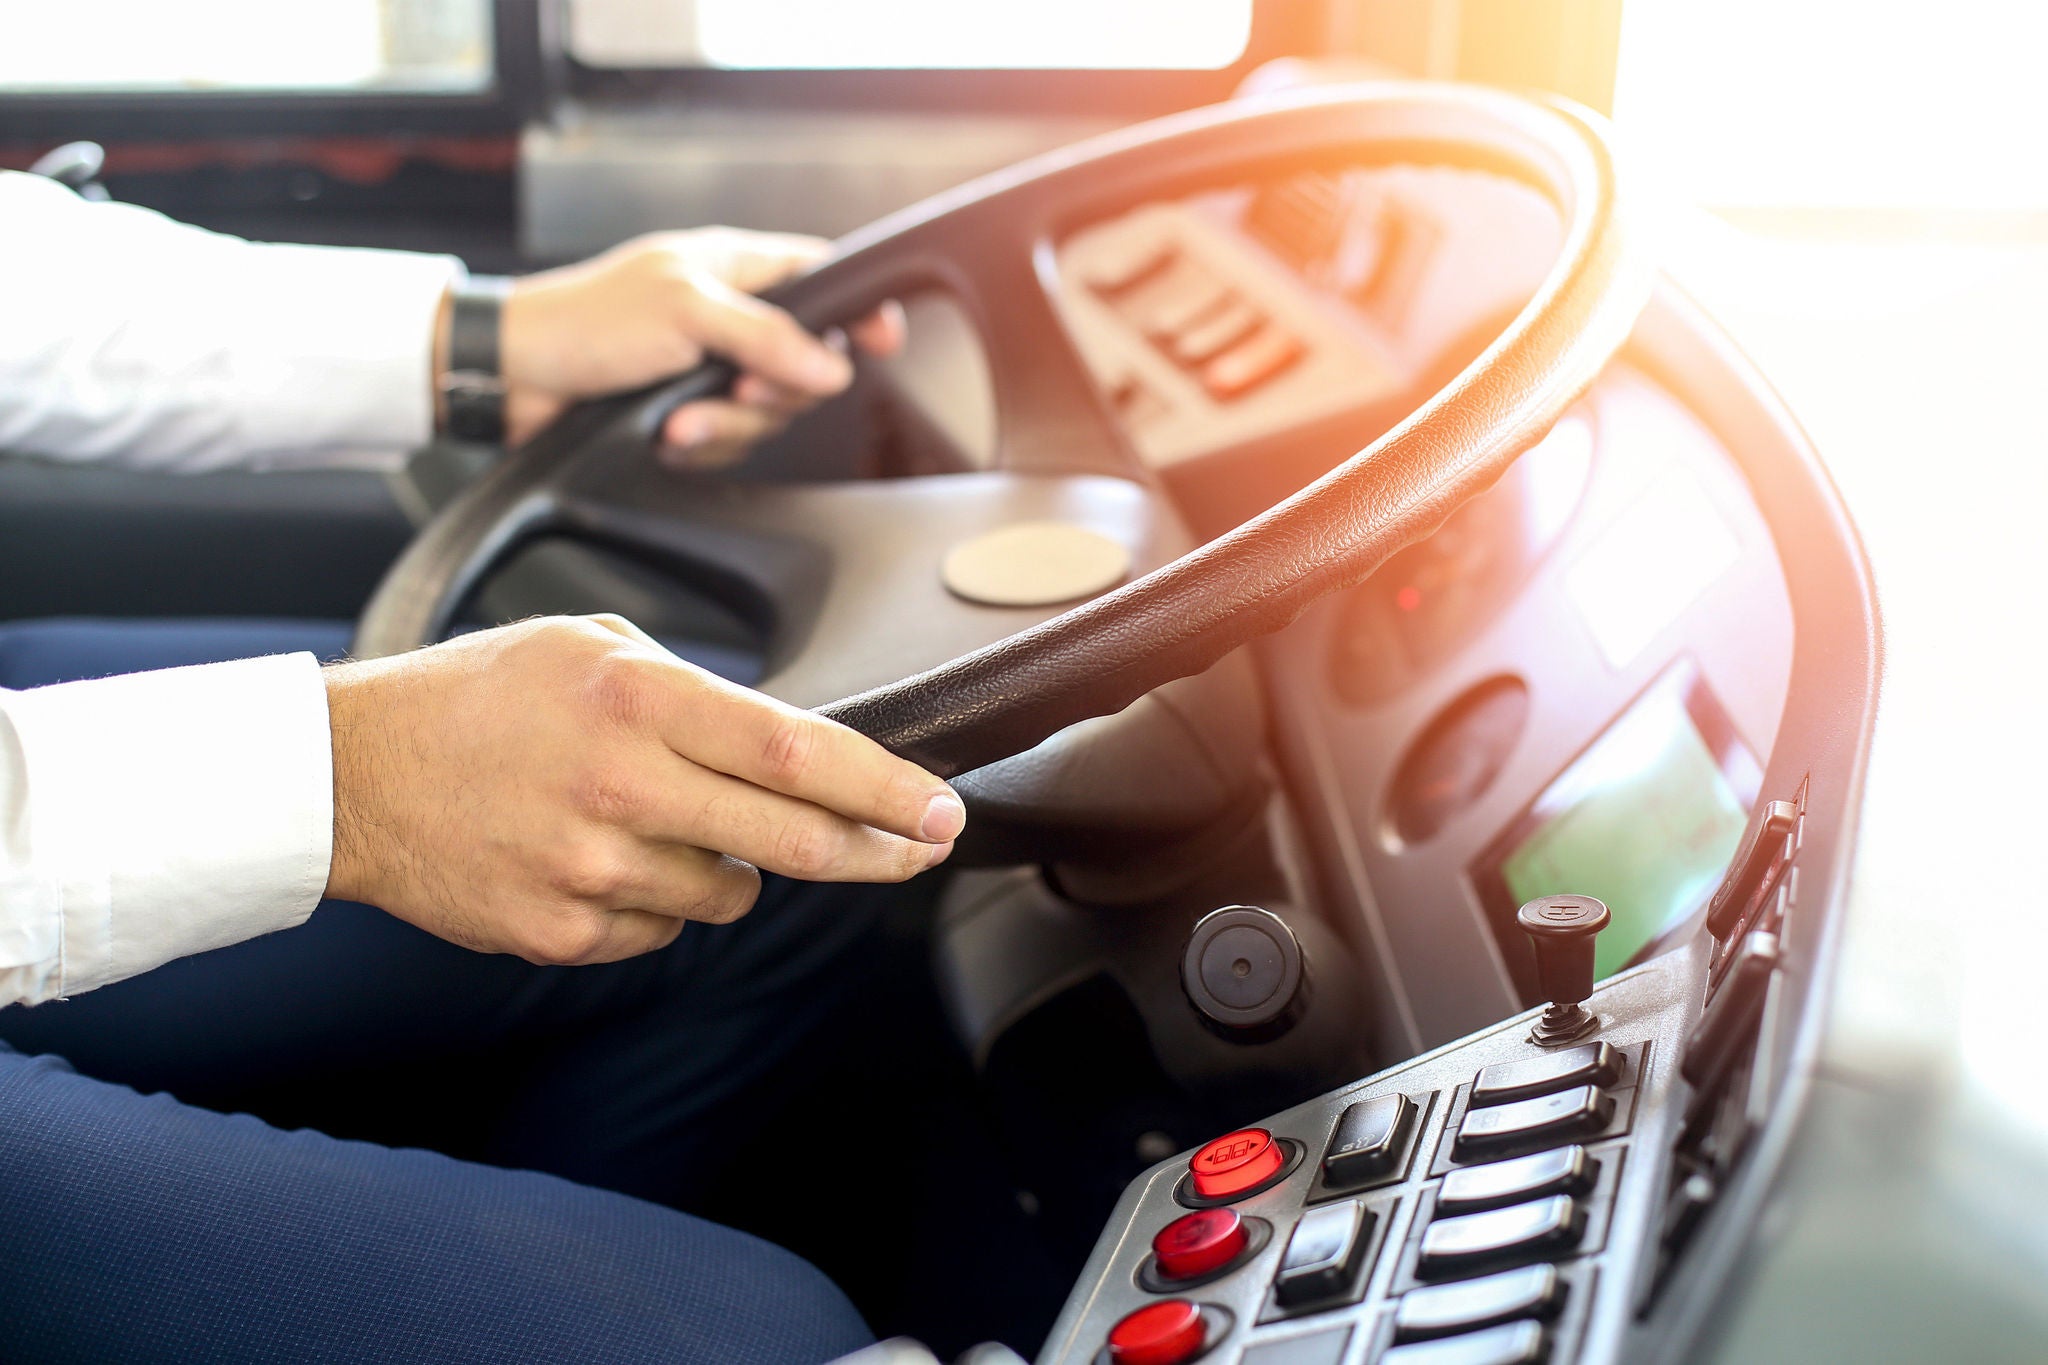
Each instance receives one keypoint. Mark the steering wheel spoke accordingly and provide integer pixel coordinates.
(1050, 414)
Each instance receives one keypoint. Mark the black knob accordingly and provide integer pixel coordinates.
(1562, 929)
(1243, 973)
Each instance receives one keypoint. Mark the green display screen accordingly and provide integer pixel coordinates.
(1646, 819)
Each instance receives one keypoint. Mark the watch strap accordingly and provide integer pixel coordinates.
(473, 389)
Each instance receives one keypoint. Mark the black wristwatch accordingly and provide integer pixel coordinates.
(473, 388)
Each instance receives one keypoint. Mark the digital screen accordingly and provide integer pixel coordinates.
(1646, 819)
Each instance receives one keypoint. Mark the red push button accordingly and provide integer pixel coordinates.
(1197, 1243)
(1165, 1333)
(1235, 1163)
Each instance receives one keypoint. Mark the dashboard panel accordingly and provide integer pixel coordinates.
(1641, 666)
(1435, 718)
(1664, 568)
(1225, 319)
(1500, 1198)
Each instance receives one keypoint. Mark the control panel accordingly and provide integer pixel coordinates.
(1519, 1196)
(1233, 315)
(1202, 342)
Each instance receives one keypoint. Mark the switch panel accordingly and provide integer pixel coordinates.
(1531, 1243)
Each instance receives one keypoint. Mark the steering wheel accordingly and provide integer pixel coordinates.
(849, 571)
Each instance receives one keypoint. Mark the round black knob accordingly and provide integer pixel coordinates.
(1243, 973)
(1562, 929)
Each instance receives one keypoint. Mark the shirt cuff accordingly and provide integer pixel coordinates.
(176, 811)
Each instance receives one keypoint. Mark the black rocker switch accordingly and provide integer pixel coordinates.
(1370, 1141)
(1562, 929)
(1322, 1256)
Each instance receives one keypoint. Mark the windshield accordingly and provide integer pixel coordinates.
(1815, 114)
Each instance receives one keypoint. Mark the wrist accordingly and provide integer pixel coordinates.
(531, 399)
(351, 734)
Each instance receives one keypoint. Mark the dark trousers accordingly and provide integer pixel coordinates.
(219, 1168)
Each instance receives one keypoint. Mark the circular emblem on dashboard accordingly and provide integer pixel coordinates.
(1034, 564)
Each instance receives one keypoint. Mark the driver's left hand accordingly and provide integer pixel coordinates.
(652, 307)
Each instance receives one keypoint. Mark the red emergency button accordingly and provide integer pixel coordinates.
(1197, 1243)
(1164, 1333)
(1235, 1163)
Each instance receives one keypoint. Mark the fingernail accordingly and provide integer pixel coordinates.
(944, 818)
(687, 429)
(828, 370)
(939, 854)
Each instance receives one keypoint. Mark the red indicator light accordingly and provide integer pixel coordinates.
(1236, 1164)
(1164, 1333)
(1198, 1243)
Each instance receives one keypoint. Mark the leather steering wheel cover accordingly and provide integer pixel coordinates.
(1179, 619)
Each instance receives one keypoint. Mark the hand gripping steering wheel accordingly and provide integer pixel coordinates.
(849, 572)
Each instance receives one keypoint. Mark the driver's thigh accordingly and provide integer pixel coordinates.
(140, 1228)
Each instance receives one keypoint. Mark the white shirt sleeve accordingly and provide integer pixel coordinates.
(149, 817)
(125, 336)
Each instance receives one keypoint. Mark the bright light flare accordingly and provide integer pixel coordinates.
(1859, 104)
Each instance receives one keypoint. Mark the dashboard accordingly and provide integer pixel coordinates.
(1640, 667)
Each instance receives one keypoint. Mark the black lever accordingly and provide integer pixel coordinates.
(1563, 928)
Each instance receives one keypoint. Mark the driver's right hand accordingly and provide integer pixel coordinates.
(567, 790)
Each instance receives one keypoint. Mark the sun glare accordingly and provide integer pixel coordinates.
(1841, 104)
